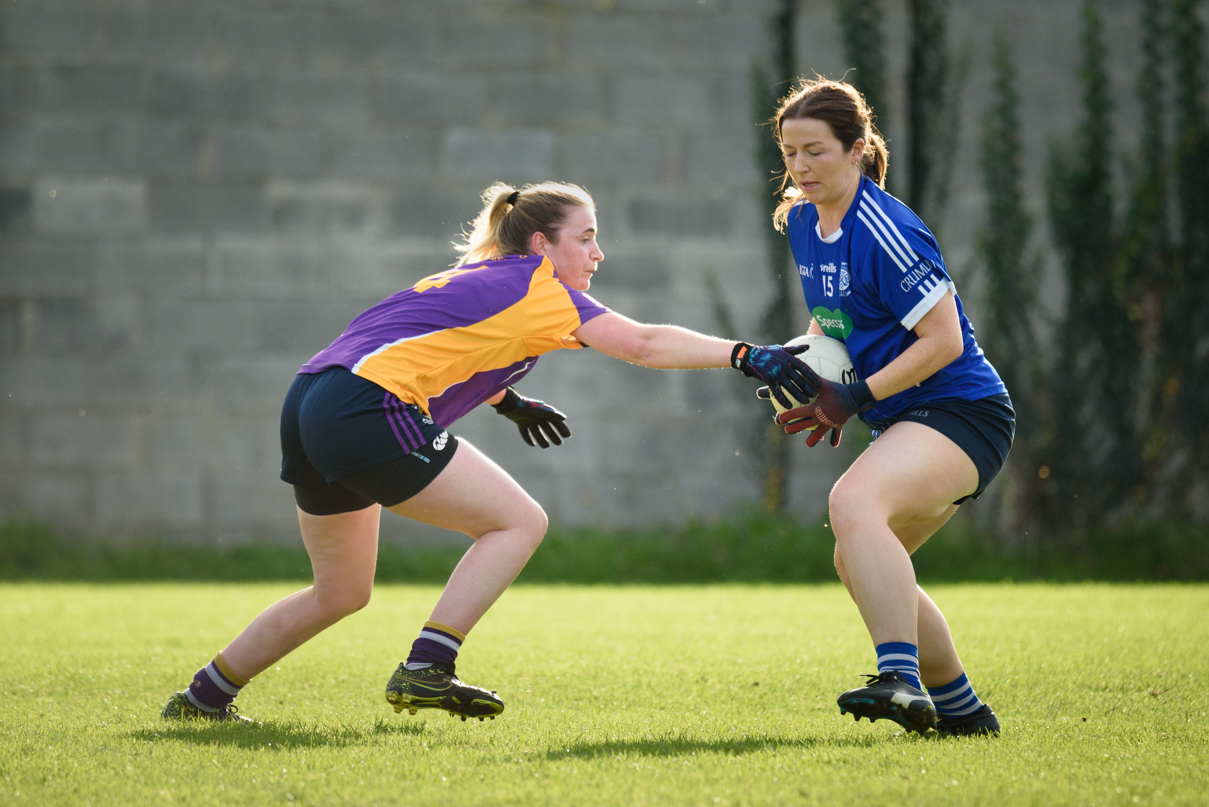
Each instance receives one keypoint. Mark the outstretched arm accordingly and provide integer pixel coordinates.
(668, 347)
(665, 347)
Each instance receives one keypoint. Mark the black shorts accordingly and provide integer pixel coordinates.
(347, 443)
(983, 429)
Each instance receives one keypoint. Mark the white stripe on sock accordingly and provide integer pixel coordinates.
(953, 697)
(441, 638)
(219, 681)
(898, 658)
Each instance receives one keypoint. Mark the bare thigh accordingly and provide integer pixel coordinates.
(473, 495)
(907, 479)
(344, 553)
(913, 536)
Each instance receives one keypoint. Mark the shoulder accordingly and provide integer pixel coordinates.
(547, 291)
(887, 228)
(802, 211)
(520, 264)
(800, 219)
(526, 273)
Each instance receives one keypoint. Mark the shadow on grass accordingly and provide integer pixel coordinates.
(674, 745)
(273, 736)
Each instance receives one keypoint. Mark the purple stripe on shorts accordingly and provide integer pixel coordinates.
(391, 418)
(407, 432)
(409, 424)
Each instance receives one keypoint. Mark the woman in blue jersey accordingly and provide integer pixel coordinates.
(873, 277)
(364, 428)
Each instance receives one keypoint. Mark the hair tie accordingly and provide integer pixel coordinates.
(512, 197)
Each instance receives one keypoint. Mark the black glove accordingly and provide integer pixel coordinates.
(779, 368)
(537, 420)
(834, 406)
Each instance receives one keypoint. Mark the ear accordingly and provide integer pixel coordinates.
(858, 150)
(538, 243)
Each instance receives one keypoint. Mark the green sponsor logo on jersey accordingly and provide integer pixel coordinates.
(834, 323)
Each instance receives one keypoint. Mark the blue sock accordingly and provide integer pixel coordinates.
(902, 658)
(436, 644)
(955, 699)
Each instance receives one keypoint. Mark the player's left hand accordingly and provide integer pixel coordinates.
(834, 406)
(778, 367)
(536, 420)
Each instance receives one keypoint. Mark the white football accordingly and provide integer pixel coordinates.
(826, 356)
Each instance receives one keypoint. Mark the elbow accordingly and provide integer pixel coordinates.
(645, 350)
(953, 349)
(646, 356)
(659, 355)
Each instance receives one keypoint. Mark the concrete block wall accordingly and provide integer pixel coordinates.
(197, 196)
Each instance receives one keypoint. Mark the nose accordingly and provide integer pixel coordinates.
(596, 255)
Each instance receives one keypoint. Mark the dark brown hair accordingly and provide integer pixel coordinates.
(850, 118)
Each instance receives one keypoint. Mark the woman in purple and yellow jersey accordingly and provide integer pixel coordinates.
(364, 427)
(873, 277)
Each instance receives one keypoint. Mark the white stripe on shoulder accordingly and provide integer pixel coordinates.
(932, 289)
(386, 347)
(860, 214)
(892, 227)
(876, 221)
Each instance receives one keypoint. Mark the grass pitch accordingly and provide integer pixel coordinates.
(615, 695)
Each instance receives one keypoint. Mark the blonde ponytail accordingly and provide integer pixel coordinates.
(511, 216)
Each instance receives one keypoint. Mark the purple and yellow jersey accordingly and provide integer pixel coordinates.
(458, 337)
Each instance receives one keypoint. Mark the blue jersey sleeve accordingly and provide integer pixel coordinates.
(904, 258)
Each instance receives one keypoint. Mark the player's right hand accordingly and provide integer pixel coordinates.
(834, 406)
(537, 420)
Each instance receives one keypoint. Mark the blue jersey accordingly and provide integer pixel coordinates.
(869, 284)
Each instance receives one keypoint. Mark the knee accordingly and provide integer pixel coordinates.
(846, 505)
(533, 526)
(339, 603)
(523, 526)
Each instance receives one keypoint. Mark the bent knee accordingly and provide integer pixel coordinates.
(844, 505)
(849, 506)
(525, 524)
(534, 525)
(344, 602)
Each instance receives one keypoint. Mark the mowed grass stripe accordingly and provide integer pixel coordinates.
(615, 695)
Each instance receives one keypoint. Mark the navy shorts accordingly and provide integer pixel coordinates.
(983, 429)
(347, 443)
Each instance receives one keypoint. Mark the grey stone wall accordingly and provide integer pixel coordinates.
(197, 196)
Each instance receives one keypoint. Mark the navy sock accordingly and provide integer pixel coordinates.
(436, 644)
(214, 686)
(902, 658)
(955, 699)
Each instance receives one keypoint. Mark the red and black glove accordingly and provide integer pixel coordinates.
(536, 420)
(833, 407)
